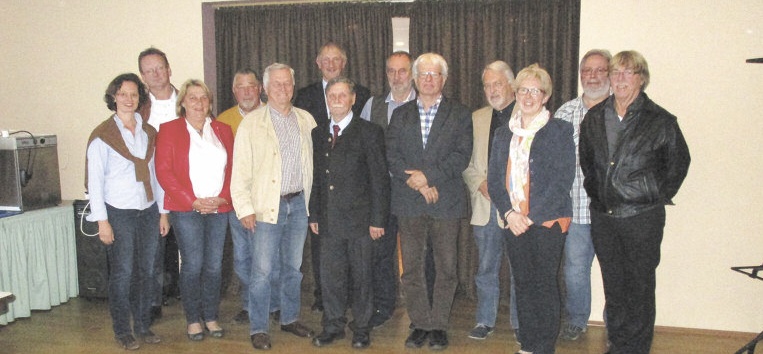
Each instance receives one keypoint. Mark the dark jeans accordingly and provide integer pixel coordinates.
(628, 250)
(201, 238)
(131, 267)
(535, 258)
(347, 270)
(385, 278)
(414, 234)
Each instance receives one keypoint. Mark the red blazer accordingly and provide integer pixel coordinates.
(172, 145)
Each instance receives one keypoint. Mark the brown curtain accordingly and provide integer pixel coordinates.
(471, 34)
(256, 36)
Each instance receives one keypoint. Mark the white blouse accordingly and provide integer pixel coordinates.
(207, 159)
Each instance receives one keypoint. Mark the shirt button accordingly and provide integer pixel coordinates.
(327, 154)
(609, 212)
(327, 171)
(611, 163)
(331, 188)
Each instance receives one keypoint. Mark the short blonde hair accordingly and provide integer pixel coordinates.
(534, 71)
(179, 109)
(632, 60)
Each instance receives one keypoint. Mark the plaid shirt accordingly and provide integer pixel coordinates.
(427, 118)
(573, 111)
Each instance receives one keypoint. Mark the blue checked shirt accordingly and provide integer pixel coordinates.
(427, 117)
(574, 111)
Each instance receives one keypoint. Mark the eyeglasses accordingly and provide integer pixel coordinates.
(596, 71)
(432, 74)
(534, 92)
(627, 73)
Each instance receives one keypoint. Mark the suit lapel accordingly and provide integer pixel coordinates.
(443, 113)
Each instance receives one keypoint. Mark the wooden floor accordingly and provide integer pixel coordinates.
(83, 326)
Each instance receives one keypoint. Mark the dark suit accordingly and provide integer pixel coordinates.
(447, 154)
(312, 99)
(350, 193)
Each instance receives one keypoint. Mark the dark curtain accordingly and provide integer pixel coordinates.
(259, 35)
(471, 34)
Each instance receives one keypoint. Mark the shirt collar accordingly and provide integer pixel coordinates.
(342, 124)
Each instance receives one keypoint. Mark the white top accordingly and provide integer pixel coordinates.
(162, 111)
(206, 161)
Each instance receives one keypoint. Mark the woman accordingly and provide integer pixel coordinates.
(126, 200)
(634, 158)
(529, 182)
(193, 164)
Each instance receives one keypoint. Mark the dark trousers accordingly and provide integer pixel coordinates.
(131, 267)
(628, 250)
(385, 270)
(414, 234)
(535, 258)
(315, 258)
(347, 270)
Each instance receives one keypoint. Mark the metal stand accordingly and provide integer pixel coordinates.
(752, 272)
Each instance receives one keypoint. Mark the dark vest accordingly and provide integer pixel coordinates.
(379, 111)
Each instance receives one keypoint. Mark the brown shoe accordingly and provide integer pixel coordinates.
(260, 341)
(298, 329)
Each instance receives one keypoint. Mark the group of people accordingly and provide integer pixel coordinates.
(363, 173)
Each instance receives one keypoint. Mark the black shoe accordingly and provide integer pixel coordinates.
(417, 338)
(242, 317)
(298, 329)
(214, 333)
(260, 341)
(361, 340)
(149, 337)
(317, 306)
(438, 340)
(128, 342)
(196, 337)
(326, 338)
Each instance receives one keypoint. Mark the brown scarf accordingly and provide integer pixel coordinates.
(109, 133)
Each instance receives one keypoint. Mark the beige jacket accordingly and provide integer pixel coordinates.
(256, 179)
(476, 173)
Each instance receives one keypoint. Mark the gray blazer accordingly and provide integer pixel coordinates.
(447, 154)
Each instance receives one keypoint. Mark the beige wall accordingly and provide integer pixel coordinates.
(58, 56)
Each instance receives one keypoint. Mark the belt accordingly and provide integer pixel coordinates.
(288, 197)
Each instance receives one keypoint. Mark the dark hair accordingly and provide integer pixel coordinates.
(341, 79)
(116, 84)
(152, 51)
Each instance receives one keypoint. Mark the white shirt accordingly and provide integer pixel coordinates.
(162, 111)
(206, 161)
(342, 124)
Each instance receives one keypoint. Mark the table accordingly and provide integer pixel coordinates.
(38, 260)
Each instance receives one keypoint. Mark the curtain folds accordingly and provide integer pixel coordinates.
(257, 36)
(471, 34)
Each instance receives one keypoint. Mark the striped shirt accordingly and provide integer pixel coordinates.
(574, 111)
(287, 132)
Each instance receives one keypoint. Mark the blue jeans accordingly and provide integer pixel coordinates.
(491, 245)
(242, 262)
(273, 246)
(578, 256)
(131, 267)
(201, 238)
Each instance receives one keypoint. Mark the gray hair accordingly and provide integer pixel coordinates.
(246, 71)
(600, 52)
(274, 67)
(340, 80)
(431, 58)
(502, 67)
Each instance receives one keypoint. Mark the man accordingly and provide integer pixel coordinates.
(246, 90)
(331, 61)
(378, 109)
(155, 71)
(429, 142)
(634, 159)
(578, 247)
(270, 186)
(348, 210)
(489, 237)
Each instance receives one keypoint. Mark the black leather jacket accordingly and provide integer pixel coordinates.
(649, 164)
